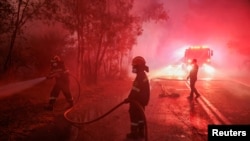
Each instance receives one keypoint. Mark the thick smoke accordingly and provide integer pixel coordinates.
(219, 24)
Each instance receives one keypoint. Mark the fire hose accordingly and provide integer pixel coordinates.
(79, 124)
(79, 88)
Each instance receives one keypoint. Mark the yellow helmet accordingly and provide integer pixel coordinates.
(138, 61)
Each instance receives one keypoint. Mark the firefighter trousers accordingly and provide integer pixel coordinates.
(61, 87)
(136, 119)
(193, 88)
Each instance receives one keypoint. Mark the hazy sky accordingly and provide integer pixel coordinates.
(194, 22)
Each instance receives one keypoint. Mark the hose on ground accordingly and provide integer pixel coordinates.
(79, 124)
(79, 88)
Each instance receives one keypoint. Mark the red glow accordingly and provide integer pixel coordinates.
(220, 25)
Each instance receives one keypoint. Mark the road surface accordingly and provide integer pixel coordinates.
(171, 116)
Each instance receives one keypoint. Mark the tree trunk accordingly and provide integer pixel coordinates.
(8, 61)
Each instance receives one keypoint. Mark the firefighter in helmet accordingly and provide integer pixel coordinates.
(139, 93)
(61, 76)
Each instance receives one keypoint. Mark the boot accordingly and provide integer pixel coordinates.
(50, 106)
(133, 134)
(141, 131)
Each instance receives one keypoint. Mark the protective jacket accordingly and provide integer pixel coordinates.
(59, 72)
(140, 91)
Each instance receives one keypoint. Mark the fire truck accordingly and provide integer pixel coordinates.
(203, 55)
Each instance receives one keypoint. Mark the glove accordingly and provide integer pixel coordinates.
(53, 75)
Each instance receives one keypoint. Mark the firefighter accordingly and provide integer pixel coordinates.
(61, 76)
(139, 93)
(193, 78)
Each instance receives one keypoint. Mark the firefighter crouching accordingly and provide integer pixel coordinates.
(140, 93)
(62, 84)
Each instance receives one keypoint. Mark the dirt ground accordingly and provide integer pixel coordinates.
(23, 117)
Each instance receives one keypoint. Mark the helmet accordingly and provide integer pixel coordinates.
(138, 61)
(56, 58)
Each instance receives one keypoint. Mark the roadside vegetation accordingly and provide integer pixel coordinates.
(94, 38)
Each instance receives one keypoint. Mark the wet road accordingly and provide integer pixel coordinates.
(170, 115)
(229, 100)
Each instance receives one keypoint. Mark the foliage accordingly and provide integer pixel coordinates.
(6, 14)
(99, 26)
(21, 11)
(104, 33)
(154, 12)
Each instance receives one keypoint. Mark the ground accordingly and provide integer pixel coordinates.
(23, 117)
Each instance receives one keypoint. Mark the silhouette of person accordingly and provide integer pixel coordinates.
(140, 93)
(61, 75)
(193, 78)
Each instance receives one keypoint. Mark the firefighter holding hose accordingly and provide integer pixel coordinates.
(139, 93)
(62, 84)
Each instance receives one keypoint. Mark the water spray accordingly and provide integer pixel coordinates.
(13, 88)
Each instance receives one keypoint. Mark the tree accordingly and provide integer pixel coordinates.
(24, 11)
(92, 22)
(6, 12)
(104, 29)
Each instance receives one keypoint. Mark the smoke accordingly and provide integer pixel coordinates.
(219, 24)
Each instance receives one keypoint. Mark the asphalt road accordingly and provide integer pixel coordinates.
(171, 116)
